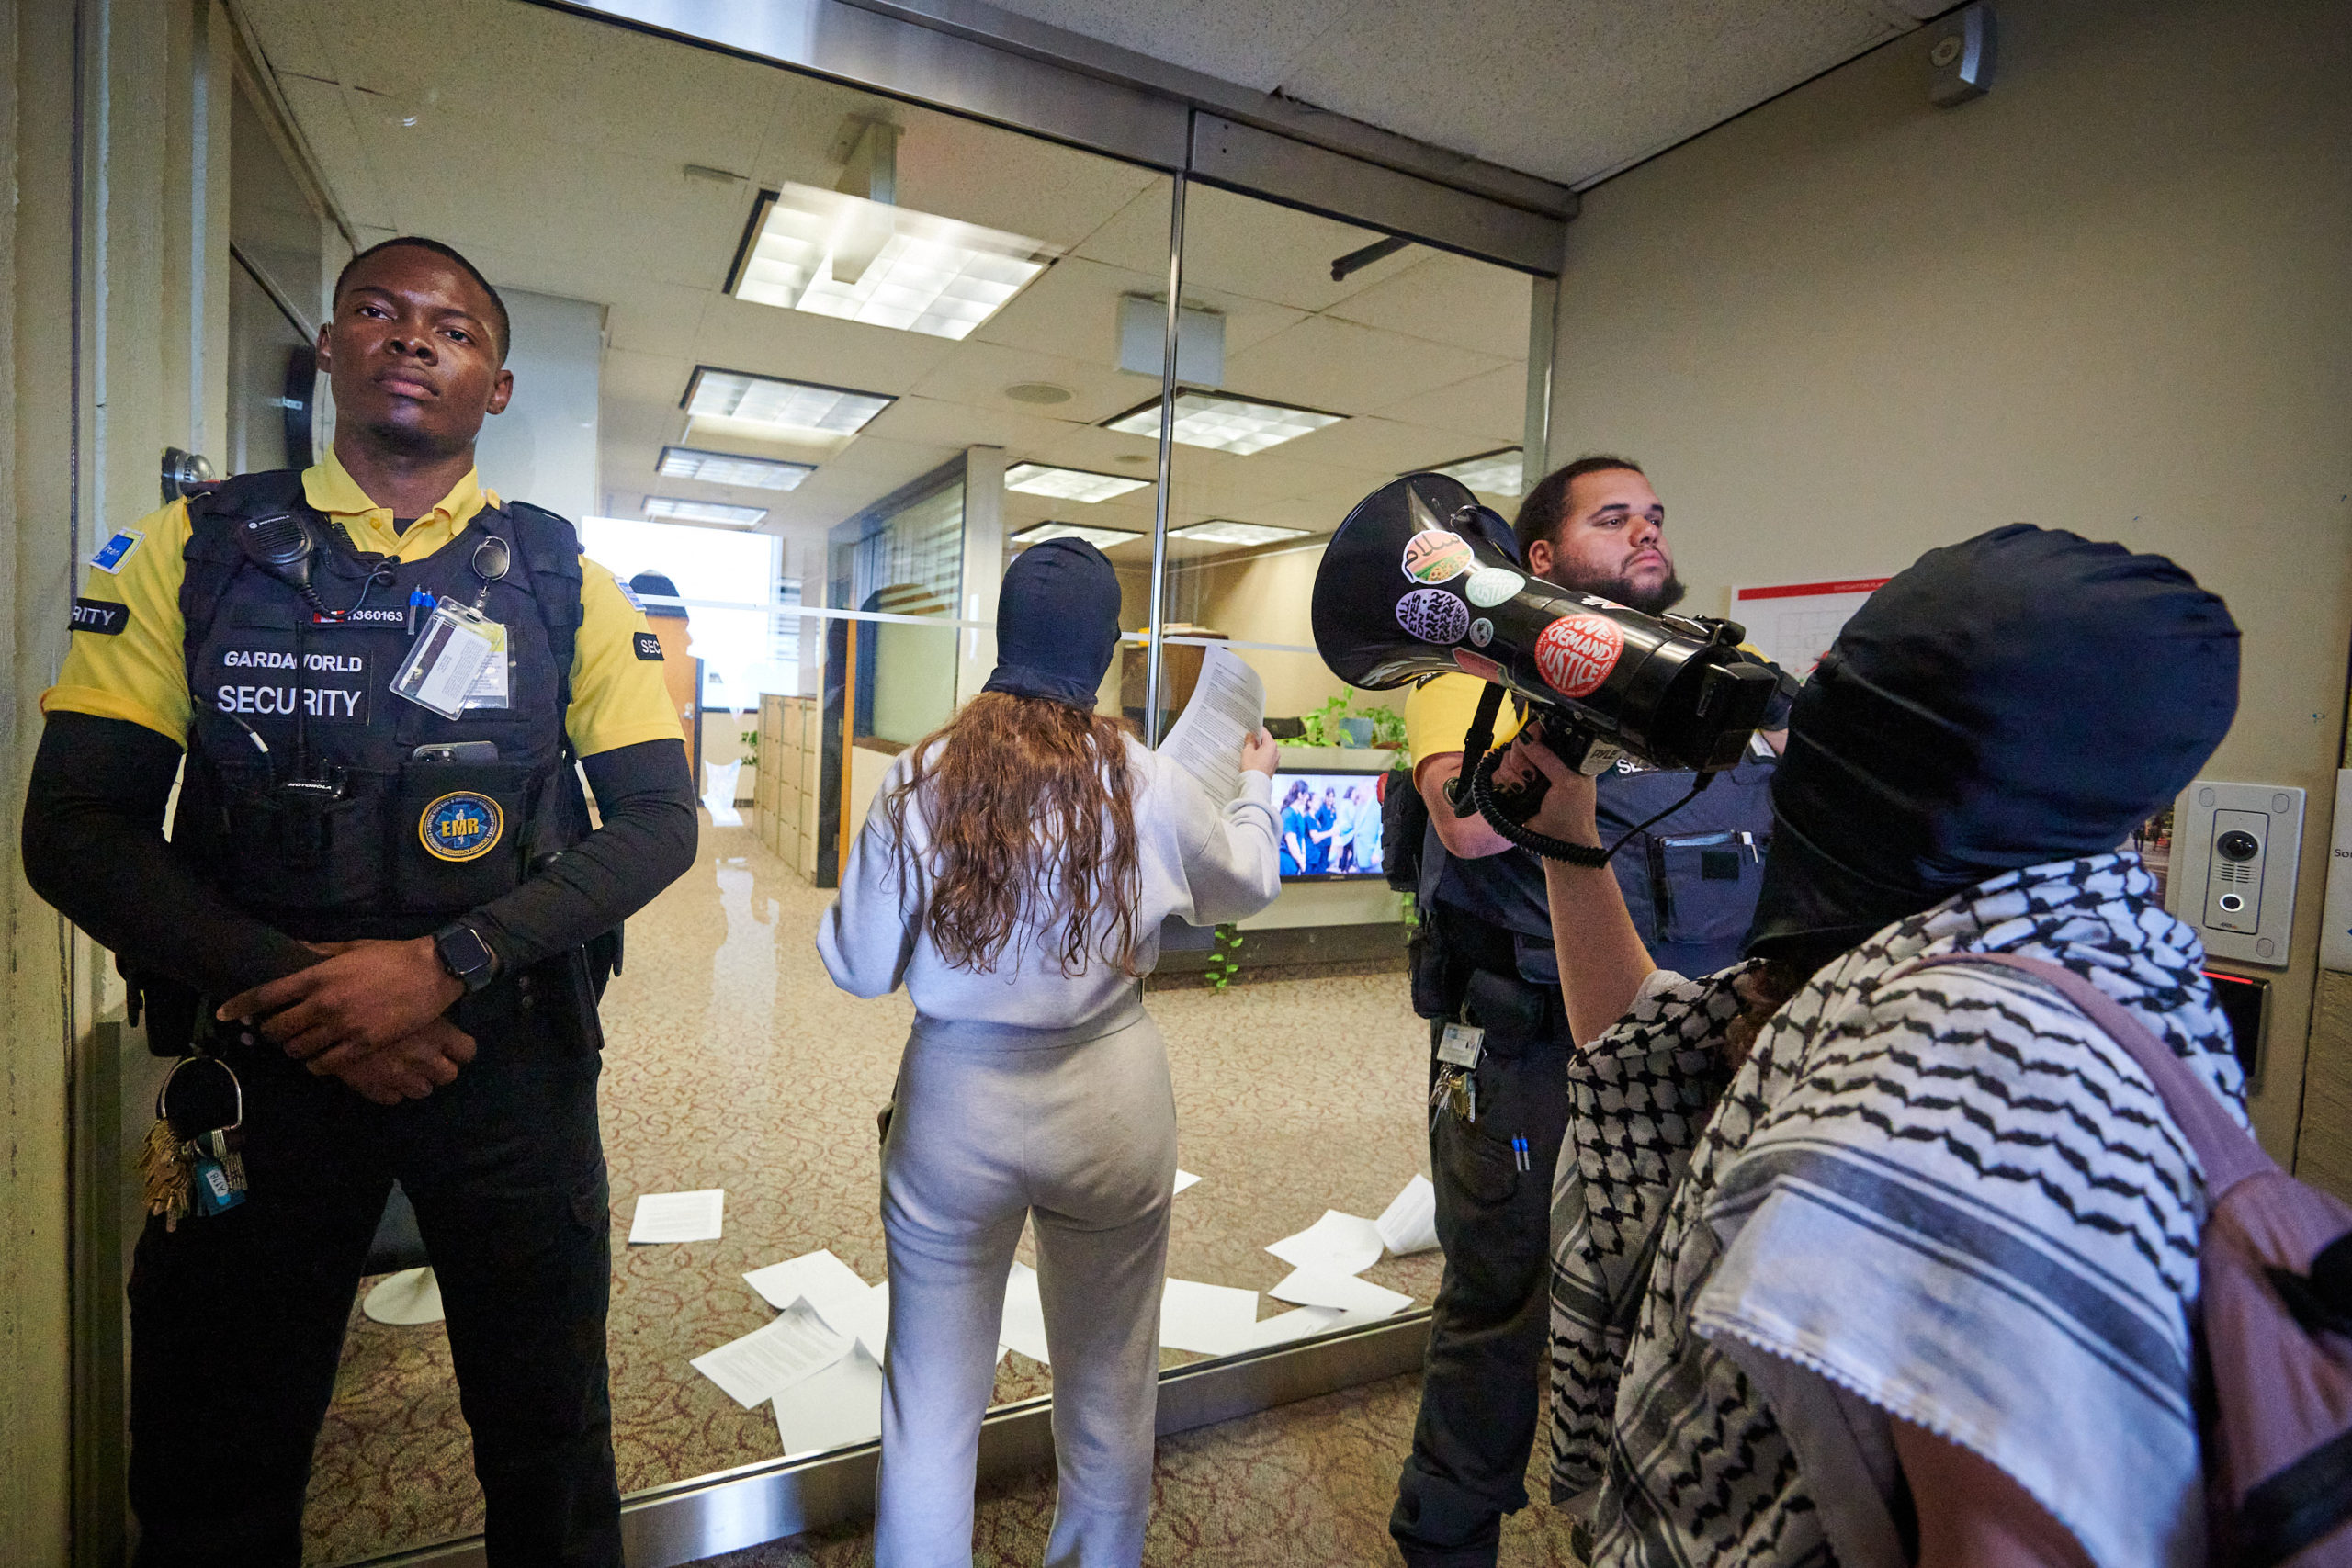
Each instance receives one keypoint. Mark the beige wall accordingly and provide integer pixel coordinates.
(2110, 297)
(1270, 598)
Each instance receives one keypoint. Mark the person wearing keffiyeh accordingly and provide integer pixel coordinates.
(1862, 1265)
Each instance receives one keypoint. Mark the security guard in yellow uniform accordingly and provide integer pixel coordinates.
(1484, 960)
(378, 929)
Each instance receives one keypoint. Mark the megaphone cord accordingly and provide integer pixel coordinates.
(1482, 795)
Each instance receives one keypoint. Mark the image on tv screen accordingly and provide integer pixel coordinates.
(1330, 823)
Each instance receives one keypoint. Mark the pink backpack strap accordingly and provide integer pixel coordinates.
(2225, 1151)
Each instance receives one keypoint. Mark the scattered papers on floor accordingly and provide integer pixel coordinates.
(766, 1361)
(1342, 1244)
(866, 1318)
(677, 1217)
(1209, 1320)
(1409, 1222)
(832, 1408)
(1184, 1178)
(1343, 1293)
(1281, 1329)
(1024, 1328)
(817, 1278)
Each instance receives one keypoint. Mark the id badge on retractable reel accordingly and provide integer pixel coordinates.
(459, 661)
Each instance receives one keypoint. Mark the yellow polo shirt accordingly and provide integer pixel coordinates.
(1438, 714)
(140, 672)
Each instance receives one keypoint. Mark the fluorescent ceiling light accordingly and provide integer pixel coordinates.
(704, 511)
(1101, 539)
(1223, 531)
(1225, 423)
(1068, 484)
(727, 469)
(834, 255)
(1497, 473)
(786, 405)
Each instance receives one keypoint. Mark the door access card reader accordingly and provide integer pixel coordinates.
(2234, 847)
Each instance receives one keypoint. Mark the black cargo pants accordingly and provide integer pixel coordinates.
(237, 1321)
(1490, 1325)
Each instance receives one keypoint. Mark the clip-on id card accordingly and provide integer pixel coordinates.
(490, 687)
(447, 658)
(1459, 1046)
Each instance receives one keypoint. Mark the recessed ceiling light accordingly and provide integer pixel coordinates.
(1042, 392)
(1497, 473)
(1225, 423)
(727, 469)
(786, 405)
(835, 254)
(679, 510)
(1223, 531)
(1101, 539)
(1068, 484)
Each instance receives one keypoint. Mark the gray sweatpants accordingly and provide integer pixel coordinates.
(995, 1124)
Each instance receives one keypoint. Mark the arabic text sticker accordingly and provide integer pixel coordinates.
(1433, 615)
(1576, 653)
(1490, 585)
(1482, 631)
(1436, 556)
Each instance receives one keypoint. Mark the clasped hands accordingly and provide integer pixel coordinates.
(1569, 808)
(371, 1014)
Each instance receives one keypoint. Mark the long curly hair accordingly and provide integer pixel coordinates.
(1031, 811)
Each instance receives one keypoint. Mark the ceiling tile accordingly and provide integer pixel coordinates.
(1252, 44)
(1492, 407)
(1379, 448)
(1323, 363)
(1452, 299)
(289, 42)
(1238, 244)
(1570, 92)
(978, 373)
(804, 347)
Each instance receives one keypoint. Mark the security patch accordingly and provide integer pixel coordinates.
(462, 825)
(649, 647)
(100, 615)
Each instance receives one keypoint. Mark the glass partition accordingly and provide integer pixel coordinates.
(858, 354)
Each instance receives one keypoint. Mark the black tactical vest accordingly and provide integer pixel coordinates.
(387, 842)
(1689, 882)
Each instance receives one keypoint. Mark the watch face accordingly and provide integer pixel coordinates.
(465, 951)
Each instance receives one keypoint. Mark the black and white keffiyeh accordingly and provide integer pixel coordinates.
(1942, 1196)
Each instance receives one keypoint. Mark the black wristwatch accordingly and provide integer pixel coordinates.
(464, 954)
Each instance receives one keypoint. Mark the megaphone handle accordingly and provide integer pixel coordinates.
(1481, 798)
(1476, 743)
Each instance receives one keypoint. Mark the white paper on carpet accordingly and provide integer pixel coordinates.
(1409, 1222)
(1342, 1293)
(678, 1216)
(817, 1278)
(832, 1408)
(766, 1361)
(1024, 1328)
(1209, 1320)
(1344, 1244)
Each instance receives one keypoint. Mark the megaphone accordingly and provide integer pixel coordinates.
(1421, 580)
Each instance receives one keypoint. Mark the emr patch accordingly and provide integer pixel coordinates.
(462, 825)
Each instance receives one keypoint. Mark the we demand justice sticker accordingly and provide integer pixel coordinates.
(1576, 653)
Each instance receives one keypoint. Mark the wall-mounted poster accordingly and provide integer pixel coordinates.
(1793, 623)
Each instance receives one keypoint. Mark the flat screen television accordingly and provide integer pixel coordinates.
(1329, 823)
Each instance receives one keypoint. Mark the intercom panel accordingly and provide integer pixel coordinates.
(2234, 853)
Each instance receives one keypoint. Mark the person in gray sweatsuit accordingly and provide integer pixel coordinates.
(1012, 875)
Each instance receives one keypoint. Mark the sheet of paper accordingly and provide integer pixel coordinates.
(1283, 1327)
(831, 1410)
(1025, 1315)
(678, 1216)
(1341, 1243)
(817, 1278)
(1343, 1293)
(1409, 1222)
(766, 1361)
(1184, 1178)
(865, 1318)
(1210, 1320)
(1228, 705)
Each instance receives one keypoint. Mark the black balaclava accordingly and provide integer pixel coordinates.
(2023, 697)
(1057, 622)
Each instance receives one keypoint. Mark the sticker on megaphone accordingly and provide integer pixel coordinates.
(1434, 615)
(1576, 653)
(1436, 556)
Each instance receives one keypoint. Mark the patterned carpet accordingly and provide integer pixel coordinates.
(733, 1062)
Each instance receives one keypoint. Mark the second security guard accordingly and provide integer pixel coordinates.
(378, 930)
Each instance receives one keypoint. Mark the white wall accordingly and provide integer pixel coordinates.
(2112, 296)
(543, 448)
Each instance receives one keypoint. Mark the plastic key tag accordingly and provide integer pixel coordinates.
(1459, 1046)
(490, 687)
(448, 657)
(214, 1191)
